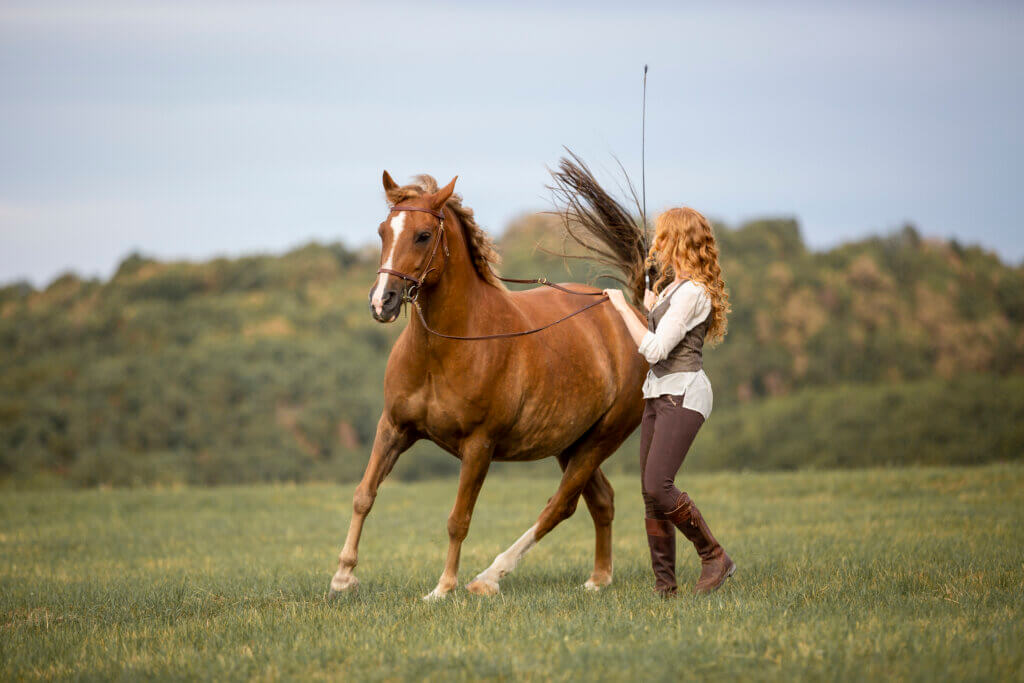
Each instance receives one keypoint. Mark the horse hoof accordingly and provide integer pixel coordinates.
(435, 596)
(342, 584)
(483, 587)
(595, 585)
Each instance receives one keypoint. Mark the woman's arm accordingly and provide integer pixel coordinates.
(689, 305)
(637, 328)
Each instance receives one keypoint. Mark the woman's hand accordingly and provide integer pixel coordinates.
(649, 299)
(635, 325)
(616, 297)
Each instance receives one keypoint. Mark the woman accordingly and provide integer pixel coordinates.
(677, 393)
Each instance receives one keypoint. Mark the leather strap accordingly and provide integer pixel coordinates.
(399, 274)
(432, 212)
(439, 237)
(543, 281)
(505, 335)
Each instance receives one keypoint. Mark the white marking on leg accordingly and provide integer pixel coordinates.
(397, 224)
(592, 585)
(435, 595)
(507, 561)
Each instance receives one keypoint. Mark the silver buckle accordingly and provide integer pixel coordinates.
(412, 292)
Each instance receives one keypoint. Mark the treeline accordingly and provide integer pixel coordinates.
(270, 368)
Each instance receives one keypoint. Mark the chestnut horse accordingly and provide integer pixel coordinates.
(572, 391)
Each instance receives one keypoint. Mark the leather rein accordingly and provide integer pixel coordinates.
(412, 292)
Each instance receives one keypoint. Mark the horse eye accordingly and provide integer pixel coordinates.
(423, 237)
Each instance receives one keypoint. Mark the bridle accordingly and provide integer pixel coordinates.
(412, 292)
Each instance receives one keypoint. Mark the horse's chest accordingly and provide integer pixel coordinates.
(441, 411)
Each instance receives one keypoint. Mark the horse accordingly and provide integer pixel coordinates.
(571, 391)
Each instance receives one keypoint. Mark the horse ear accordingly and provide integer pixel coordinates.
(442, 195)
(389, 183)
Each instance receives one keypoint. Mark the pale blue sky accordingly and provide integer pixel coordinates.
(189, 129)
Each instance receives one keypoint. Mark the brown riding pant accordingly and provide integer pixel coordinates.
(666, 432)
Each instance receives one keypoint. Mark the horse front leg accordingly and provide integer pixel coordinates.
(476, 459)
(388, 444)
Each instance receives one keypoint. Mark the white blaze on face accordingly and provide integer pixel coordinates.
(397, 224)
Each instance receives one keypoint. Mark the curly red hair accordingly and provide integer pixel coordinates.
(685, 243)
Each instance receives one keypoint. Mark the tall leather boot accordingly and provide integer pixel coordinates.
(661, 538)
(715, 564)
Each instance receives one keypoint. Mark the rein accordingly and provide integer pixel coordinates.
(412, 292)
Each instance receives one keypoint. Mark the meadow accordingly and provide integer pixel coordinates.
(906, 573)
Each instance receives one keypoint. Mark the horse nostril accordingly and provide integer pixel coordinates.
(388, 296)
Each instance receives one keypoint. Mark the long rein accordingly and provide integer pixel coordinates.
(412, 292)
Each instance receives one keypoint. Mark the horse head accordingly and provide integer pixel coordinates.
(414, 249)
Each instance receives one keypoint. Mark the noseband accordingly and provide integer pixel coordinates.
(413, 290)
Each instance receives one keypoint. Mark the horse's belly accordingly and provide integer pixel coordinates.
(542, 435)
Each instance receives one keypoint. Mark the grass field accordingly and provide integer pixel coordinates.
(906, 573)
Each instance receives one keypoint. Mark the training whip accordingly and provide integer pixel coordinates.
(643, 176)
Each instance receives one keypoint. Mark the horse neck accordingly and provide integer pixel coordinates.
(449, 306)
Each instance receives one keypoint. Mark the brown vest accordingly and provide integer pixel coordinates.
(687, 356)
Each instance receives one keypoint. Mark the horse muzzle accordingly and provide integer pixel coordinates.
(385, 303)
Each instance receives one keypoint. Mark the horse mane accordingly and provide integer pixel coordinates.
(482, 252)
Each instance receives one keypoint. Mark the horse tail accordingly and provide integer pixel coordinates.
(608, 232)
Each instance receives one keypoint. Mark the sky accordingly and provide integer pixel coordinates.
(194, 129)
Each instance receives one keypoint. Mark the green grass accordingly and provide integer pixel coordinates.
(901, 573)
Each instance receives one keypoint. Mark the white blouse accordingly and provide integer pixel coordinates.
(689, 306)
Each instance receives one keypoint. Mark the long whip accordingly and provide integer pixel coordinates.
(643, 175)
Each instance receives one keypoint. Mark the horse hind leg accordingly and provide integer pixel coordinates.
(600, 499)
(577, 472)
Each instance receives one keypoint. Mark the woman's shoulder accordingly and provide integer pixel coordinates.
(690, 289)
(693, 286)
